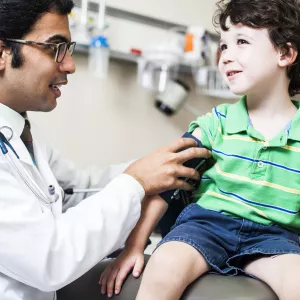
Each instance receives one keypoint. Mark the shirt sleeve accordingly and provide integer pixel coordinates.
(209, 125)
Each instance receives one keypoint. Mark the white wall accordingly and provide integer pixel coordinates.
(103, 122)
(178, 11)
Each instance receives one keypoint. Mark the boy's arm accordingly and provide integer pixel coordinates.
(152, 210)
(132, 257)
(151, 213)
(197, 133)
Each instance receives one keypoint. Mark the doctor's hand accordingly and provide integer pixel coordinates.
(111, 280)
(159, 171)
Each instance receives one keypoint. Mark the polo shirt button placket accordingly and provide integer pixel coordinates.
(260, 164)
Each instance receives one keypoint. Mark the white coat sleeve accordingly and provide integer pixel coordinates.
(47, 253)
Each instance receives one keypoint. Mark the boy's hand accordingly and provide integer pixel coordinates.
(112, 278)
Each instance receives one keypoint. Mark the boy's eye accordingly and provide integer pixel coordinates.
(241, 42)
(223, 47)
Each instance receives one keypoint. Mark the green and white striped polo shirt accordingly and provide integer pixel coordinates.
(252, 178)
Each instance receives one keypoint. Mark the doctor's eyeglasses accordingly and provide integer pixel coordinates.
(60, 49)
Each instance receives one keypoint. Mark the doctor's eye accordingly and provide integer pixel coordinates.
(51, 50)
(241, 42)
(223, 47)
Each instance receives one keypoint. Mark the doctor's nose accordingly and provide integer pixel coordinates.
(68, 64)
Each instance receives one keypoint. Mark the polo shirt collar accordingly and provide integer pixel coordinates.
(294, 131)
(237, 119)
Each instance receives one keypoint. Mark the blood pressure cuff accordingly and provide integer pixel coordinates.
(195, 163)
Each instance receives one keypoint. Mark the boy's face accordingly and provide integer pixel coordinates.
(249, 61)
(32, 86)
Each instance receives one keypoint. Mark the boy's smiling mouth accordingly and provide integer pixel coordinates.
(232, 73)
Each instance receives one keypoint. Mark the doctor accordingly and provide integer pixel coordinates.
(41, 248)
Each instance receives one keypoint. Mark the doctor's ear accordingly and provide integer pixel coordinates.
(4, 52)
(288, 55)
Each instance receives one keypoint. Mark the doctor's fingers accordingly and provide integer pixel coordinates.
(180, 144)
(191, 153)
(182, 171)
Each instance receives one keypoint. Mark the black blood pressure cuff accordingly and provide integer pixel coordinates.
(195, 163)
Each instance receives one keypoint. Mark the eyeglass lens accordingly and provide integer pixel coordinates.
(63, 49)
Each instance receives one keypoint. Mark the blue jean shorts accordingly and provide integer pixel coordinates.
(228, 243)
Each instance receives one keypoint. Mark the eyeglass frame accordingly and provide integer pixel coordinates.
(56, 45)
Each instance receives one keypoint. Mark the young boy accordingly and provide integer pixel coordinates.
(245, 218)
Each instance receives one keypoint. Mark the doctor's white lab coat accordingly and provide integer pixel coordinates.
(43, 249)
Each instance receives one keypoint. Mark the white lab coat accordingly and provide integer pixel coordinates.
(43, 249)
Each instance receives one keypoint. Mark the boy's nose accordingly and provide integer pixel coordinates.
(228, 56)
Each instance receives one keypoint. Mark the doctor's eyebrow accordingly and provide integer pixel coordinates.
(57, 38)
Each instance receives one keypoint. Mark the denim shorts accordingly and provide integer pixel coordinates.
(229, 243)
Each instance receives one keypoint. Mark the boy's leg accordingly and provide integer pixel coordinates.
(172, 267)
(281, 273)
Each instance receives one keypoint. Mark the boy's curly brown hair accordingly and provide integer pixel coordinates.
(280, 17)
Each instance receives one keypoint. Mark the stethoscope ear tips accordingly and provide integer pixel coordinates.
(7, 132)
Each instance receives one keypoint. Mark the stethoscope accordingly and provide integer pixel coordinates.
(14, 161)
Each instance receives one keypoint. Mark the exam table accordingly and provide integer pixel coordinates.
(208, 287)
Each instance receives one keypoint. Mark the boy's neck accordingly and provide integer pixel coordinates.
(273, 100)
(271, 112)
(268, 108)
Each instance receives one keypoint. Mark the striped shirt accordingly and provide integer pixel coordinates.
(252, 178)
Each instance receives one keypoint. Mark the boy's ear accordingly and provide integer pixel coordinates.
(288, 57)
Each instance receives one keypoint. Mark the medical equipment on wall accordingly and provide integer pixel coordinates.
(173, 97)
(197, 50)
(99, 47)
(160, 63)
(99, 57)
(89, 31)
(81, 29)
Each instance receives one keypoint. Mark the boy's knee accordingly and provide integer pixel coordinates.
(164, 262)
(166, 267)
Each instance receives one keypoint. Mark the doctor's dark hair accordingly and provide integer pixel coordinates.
(280, 17)
(18, 17)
